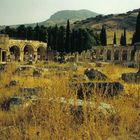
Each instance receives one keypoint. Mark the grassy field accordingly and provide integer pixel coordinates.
(52, 121)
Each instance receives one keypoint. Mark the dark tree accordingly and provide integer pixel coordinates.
(61, 39)
(124, 37)
(114, 39)
(21, 32)
(121, 39)
(68, 37)
(136, 36)
(36, 32)
(103, 36)
(30, 33)
(49, 39)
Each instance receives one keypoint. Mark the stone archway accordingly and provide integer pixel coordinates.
(116, 55)
(108, 54)
(41, 53)
(14, 53)
(124, 55)
(3, 56)
(28, 53)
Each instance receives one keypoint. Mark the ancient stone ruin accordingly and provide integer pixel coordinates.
(134, 77)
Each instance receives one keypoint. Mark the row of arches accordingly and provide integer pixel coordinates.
(118, 55)
(28, 51)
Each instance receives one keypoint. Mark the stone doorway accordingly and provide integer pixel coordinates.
(41, 53)
(28, 53)
(3, 56)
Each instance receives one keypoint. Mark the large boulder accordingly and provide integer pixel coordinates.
(131, 77)
(12, 102)
(105, 89)
(95, 75)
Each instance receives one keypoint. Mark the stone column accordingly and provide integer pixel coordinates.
(0, 56)
(120, 56)
(35, 56)
(7, 56)
(22, 56)
(112, 55)
(138, 59)
(76, 57)
(97, 54)
(128, 55)
(104, 55)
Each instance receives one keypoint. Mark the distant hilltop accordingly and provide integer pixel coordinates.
(61, 17)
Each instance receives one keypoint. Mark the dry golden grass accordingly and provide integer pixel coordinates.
(110, 36)
(43, 121)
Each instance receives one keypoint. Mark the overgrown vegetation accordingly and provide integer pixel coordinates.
(51, 120)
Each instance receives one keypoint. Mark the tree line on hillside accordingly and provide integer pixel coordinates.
(136, 36)
(76, 40)
(22, 32)
(65, 39)
(62, 39)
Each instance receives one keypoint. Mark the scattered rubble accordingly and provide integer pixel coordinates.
(106, 89)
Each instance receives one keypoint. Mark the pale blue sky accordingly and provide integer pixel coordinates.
(29, 11)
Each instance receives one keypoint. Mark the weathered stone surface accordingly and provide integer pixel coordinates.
(131, 77)
(101, 88)
(95, 75)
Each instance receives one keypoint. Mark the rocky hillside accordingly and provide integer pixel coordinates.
(61, 17)
(118, 21)
(114, 23)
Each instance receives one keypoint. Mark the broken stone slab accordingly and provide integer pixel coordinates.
(105, 89)
(95, 75)
(131, 77)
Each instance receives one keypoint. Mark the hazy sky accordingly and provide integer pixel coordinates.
(29, 11)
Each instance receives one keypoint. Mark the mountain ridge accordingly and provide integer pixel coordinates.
(62, 16)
